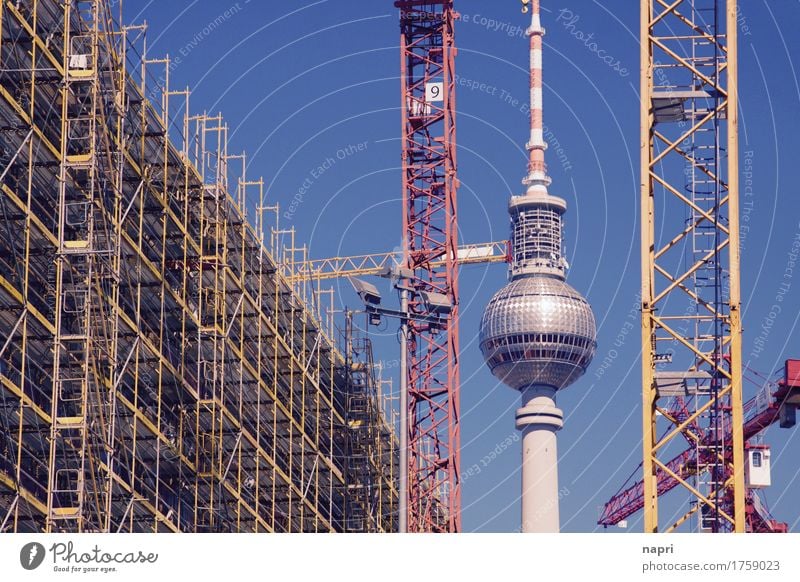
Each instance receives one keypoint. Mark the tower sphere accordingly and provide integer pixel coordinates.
(538, 330)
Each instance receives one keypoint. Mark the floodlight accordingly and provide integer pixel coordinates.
(367, 291)
(437, 303)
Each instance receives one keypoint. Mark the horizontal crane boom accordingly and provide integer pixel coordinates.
(360, 265)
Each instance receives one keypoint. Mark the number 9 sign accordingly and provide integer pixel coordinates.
(434, 92)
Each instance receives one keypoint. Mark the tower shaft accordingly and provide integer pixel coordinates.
(539, 419)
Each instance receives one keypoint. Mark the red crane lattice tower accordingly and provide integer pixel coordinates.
(430, 235)
(775, 403)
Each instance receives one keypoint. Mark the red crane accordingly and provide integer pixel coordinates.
(780, 406)
(430, 248)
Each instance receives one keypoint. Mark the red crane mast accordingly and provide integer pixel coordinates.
(430, 246)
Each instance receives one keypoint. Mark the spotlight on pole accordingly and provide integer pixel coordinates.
(437, 303)
(368, 292)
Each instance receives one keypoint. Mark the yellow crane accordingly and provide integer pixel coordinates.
(691, 299)
(372, 264)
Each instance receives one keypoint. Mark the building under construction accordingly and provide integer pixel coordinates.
(157, 370)
(166, 362)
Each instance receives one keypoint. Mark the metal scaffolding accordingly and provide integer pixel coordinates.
(157, 371)
(371, 464)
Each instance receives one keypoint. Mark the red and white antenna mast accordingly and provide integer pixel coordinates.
(537, 179)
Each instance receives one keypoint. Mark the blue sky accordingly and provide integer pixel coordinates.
(307, 82)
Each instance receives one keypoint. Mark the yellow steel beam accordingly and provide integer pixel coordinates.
(9, 481)
(664, 278)
(737, 400)
(39, 42)
(648, 271)
(691, 488)
(360, 265)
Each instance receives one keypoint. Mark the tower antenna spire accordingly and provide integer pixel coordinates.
(537, 179)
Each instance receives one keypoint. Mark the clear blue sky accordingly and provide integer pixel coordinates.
(300, 81)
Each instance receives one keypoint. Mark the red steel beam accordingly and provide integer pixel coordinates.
(431, 246)
(631, 500)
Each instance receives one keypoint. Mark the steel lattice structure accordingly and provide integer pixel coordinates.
(157, 371)
(691, 317)
(430, 247)
(374, 264)
(766, 409)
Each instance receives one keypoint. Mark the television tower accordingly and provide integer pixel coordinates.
(538, 333)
